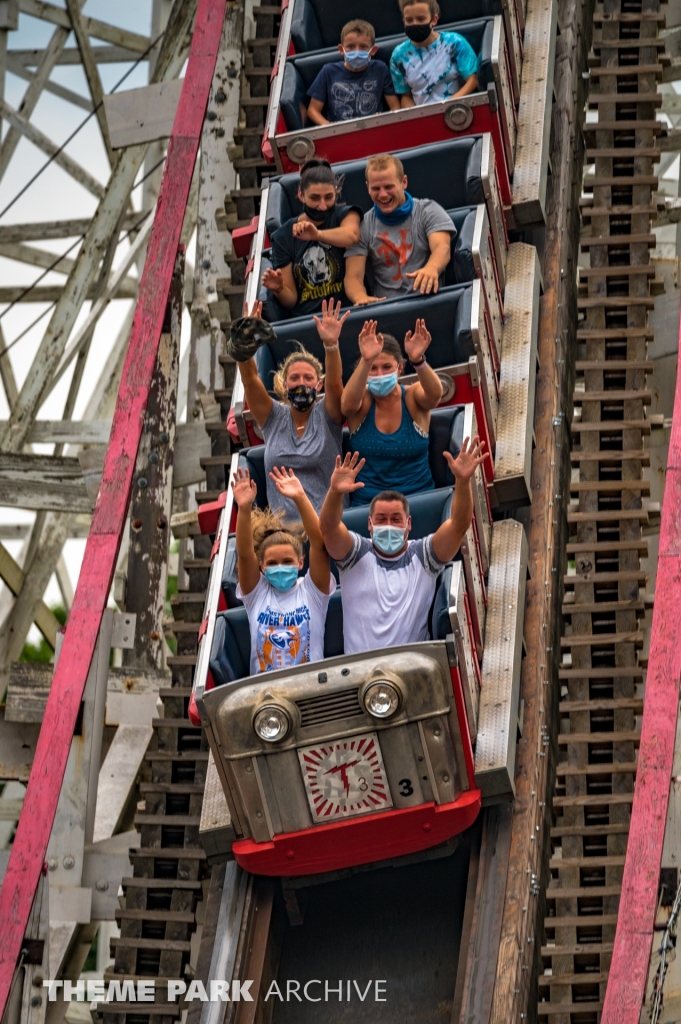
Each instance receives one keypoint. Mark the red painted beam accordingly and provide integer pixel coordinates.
(626, 989)
(108, 521)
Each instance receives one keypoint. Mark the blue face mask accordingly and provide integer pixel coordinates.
(357, 59)
(388, 539)
(281, 577)
(382, 386)
(399, 214)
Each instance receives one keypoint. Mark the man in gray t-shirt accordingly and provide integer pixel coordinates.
(406, 241)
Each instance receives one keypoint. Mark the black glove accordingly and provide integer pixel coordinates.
(246, 335)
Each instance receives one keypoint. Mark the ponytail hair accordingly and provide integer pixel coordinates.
(269, 529)
(319, 172)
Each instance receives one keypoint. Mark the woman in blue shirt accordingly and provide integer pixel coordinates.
(389, 422)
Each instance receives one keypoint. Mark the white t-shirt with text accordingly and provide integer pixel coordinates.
(287, 627)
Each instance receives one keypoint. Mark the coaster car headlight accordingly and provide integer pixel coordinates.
(381, 699)
(272, 723)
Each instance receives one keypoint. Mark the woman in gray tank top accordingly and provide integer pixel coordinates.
(301, 432)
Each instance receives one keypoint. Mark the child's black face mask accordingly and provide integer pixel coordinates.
(418, 33)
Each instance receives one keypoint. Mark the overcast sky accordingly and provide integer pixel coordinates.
(55, 195)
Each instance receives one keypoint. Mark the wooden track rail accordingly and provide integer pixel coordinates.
(601, 675)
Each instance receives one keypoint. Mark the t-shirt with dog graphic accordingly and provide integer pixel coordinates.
(318, 268)
(395, 250)
(287, 626)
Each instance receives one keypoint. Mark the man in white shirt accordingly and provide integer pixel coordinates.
(388, 581)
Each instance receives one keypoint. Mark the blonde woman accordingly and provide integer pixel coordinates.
(300, 432)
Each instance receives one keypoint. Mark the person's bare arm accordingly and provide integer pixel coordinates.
(407, 100)
(427, 392)
(345, 235)
(336, 535)
(427, 279)
(447, 540)
(355, 268)
(355, 391)
(314, 112)
(245, 492)
(282, 285)
(329, 327)
(469, 86)
(259, 402)
(393, 102)
(289, 486)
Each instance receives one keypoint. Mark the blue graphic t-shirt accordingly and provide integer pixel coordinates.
(349, 94)
(433, 73)
(287, 627)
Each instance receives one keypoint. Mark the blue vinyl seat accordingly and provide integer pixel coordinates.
(448, 318)
(301, 71)
(317, 23)
(446, 172)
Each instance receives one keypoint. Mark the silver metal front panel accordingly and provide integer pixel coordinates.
(495, 207)
(483, 261)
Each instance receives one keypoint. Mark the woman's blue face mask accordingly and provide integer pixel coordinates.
(281, 577)
(382, 386)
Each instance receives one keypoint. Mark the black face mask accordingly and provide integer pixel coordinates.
(302, 397)
(318, 215)
(418, 33)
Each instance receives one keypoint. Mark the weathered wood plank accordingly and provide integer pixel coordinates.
(142, 115)
(13, 576)
(53, 483)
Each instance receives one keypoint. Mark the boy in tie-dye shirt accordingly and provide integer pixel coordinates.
(430, 66)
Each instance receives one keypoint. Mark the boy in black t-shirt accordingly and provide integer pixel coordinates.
(354, 86)
(308, 252)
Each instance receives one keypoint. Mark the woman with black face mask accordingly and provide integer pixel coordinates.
(301, 430)
(308, 261)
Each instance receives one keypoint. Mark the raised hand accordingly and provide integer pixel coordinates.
(469, 458)
(370, 343)
(245, 490)
(344, 477)
(255, 310)
(273, 279)
(416, 344)
(306, 231)
(426, 280)
(287, 483)
(331, 323)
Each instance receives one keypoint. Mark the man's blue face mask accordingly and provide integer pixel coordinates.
(382, 386)
(388, 539)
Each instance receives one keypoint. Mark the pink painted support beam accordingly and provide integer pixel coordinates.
(628, 978)
(108, 522)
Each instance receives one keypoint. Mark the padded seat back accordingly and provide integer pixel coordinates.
(447, 172)
(461, 267)
(318, 23)
(300, 72)
(230, 656)
(428, 511)
(447, 315)
(446, 434)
